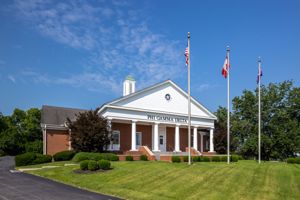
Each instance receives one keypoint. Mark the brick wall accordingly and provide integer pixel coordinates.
(125, 135)
(57, 140)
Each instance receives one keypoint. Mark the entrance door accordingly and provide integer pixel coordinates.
(138, 138)
(162, 138)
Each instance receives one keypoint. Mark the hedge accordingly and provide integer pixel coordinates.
(185, 158)
(94, 156)
(143, 158)
(216, 159)
(223, 158)
(64, 155)
(205, 159)
(129, 158)
(176, 159)
(31, 159)
(104, 164)
(196, 158)
(40, 159)
(234, 158)
(293, 160)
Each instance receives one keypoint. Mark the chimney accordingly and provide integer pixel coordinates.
(128, 85)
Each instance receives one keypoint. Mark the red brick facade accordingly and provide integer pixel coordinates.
(57, 140)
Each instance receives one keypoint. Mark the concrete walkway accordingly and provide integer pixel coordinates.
(17, 186)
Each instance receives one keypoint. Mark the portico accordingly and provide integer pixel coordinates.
(156, 117)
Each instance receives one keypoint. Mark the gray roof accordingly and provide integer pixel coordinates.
(58, 115)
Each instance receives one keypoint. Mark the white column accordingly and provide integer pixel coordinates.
(195, 145)
(201, 142)
(177, 139)
(211, 140)
(156, 137)
(133, 136)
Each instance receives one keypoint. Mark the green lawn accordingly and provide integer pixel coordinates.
(160, 180)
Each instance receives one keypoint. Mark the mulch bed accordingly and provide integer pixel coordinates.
(79, 171)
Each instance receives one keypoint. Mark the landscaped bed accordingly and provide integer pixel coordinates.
(161, 180)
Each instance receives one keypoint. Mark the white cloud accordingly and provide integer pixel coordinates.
(116, 37)
(11, 78)
(205, 86)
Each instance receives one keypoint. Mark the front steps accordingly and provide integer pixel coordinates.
(162, 156)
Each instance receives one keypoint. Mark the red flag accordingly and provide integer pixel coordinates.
(226, 67)
(186, 53)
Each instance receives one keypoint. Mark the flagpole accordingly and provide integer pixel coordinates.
(228, 108)
(259, 111)
(189, 98)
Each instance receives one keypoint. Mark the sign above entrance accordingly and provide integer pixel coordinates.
(167, 118)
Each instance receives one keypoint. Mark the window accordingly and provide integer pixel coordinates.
(115, 141)
(116, 137)
(161, 140)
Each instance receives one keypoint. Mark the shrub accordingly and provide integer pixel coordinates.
(293, 160)
(93, 165)
(215, 159)
(223, 158)
(86, 156)
(185, 159)
(234, 158)
(94, 156)
(64, 155)
(196, 158)
(129, 158)
(34, 147)
(25, 159)
(40, 159)
(84, 165)
(144, 158)
(104, 164)
(205, 159)
(176, 159)
(109, 156)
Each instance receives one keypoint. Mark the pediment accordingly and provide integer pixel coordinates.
(164, 97)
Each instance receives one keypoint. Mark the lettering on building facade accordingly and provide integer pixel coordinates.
(167, 118)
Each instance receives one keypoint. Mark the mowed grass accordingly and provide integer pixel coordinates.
(161, 180)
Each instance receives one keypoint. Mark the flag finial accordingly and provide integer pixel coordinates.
(189, 34)
(227, 48)
(259, 59)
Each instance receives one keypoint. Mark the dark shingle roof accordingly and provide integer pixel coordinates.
(58, 115)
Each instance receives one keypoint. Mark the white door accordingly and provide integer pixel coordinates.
(138, 138)
(162, 138)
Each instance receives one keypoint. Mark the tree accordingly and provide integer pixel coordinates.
(89, 132)
(21, 130)
(280, 121)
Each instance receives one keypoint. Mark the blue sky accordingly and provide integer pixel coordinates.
(77, 53)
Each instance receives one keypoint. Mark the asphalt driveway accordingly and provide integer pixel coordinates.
(16, 186)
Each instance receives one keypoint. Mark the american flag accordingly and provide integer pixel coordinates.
(259, 75)
(187, 54)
